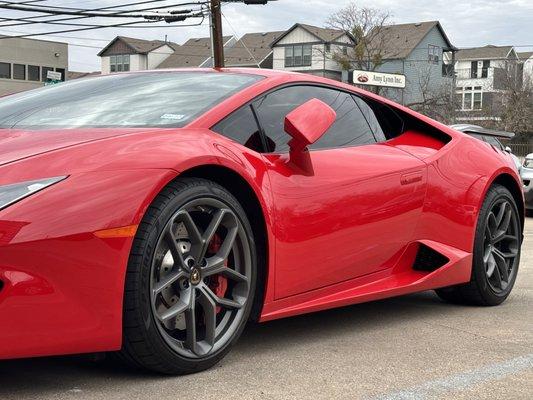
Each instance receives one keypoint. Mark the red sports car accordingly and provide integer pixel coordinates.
(155, 213)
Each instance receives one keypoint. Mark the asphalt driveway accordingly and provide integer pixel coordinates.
(412, 347)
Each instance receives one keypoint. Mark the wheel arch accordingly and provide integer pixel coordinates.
(239, 187)
(509, 182)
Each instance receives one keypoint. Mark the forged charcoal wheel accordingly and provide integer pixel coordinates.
(190, 281)
(496, 253)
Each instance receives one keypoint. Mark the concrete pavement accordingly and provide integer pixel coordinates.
(412, 347)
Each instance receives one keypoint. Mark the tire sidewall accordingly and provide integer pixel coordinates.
(198, 188)
(479, 275)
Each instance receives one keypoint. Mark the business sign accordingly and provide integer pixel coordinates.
(378, 79)
(53, 76)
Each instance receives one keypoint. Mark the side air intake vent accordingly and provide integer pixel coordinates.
(428, 259)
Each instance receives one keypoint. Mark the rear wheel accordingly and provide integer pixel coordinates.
(190, 280)
(496, 253)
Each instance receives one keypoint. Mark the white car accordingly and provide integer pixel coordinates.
(527, 178)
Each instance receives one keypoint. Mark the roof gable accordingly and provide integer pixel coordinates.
(123, 44)
(325, 35)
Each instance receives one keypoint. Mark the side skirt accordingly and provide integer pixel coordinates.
(404, 278)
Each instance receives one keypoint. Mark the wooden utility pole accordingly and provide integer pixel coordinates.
(217, 44)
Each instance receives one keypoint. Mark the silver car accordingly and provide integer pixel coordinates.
(527, 178)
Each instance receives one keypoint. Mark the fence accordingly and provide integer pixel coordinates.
(520, 149)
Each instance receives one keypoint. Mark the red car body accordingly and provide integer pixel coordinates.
(64, 250)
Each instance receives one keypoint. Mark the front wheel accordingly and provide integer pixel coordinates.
(496, 253)
(191, 279)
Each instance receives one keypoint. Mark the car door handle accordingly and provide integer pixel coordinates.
(410, 178)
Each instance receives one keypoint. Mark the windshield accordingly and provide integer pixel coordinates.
(152, 99)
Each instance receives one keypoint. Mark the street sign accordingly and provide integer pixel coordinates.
(378, 79)
(54, 76)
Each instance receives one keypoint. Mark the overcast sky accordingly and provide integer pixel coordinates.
(467, 23)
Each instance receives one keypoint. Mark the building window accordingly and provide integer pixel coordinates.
(119, 63)
(45, 70)
(328, 47)
(447, 70)
(34, 73)
(298, 55)
(479, 69)
(433, 54)
(19, 72)
(62, 72)
(345, 50)
(5, 70)
(471, 98)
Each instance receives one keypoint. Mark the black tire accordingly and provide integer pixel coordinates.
(480, 291)
(144, 342)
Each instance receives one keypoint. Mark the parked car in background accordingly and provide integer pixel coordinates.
(491, 137)
(527, 178)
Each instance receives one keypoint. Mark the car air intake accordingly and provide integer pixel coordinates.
(428, 259)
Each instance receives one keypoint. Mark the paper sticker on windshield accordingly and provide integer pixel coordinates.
(175, 117)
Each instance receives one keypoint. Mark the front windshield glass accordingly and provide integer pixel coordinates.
(151, 99)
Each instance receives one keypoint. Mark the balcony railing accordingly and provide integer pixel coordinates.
(469, 73)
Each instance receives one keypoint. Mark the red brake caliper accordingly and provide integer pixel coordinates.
(218, 284)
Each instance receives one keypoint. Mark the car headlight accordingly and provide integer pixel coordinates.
(528, 163)
(10, 194)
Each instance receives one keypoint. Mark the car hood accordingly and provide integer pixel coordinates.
(18, 144)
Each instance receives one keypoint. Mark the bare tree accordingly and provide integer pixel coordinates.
(436, 102)
(369, 27)
(516, 112)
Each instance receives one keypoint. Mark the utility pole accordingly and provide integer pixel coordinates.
(217, 45)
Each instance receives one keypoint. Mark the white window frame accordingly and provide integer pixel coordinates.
(119, 63)
(305, 55)
(470, 95)
(433, 54)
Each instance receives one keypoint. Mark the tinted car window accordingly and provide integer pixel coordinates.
(371, 118)
(349, 129)
(162, 99)
(241, 126)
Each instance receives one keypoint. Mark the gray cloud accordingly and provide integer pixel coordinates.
(472, 23)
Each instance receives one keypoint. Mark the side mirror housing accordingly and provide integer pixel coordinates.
(508, 150)
(308, 123)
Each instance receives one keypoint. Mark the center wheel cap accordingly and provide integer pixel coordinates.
(195, 276)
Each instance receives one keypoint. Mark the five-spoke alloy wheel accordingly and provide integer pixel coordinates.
(200, 277)
(501, 245)
(191, 279)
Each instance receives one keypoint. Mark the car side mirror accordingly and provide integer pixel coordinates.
(508, 150)
(308, 123)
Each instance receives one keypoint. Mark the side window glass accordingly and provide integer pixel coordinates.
(241, 127)
(349, 129)
(371, 118)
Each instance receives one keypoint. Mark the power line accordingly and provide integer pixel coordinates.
(124, 24)
(38, 18)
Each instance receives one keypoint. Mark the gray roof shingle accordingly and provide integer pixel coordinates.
(488, 52)
(251, 49)
(398, 41)
(192, 53)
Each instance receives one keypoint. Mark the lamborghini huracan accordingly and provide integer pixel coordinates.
(153, 214)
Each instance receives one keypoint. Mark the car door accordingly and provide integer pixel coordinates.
(353, 210)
